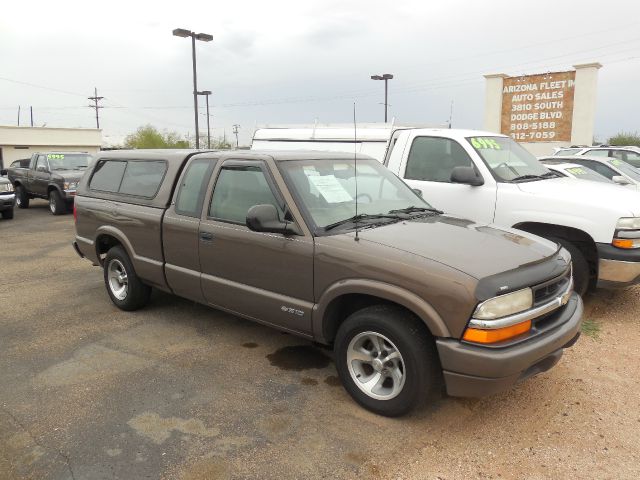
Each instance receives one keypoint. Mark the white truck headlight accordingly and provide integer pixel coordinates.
(504, 305)
(627, 234)
(6, 187)
(70, 185)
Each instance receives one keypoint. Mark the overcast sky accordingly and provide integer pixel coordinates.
(274, 62)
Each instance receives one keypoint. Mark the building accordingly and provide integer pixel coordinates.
(22, 142)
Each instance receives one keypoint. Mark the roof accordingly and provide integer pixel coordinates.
(561, 164)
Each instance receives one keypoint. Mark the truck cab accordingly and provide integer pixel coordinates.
(492, 179)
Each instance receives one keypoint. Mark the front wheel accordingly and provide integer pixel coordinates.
(56, 203)
(22, 199)
(387, 360)
(581, 275)
(7, 214)
(125, 289)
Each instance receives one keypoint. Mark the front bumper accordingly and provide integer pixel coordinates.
(617, 267)
(7, 201)
(476, 371)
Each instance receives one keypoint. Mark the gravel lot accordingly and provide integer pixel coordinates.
(180, 391)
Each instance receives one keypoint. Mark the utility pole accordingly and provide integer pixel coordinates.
(18, 115)
(97, 107)
(386, 77)
(236, 127)
(206, 93)
(31, 109)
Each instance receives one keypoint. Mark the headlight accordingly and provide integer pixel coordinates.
(70, 185)
(505, 305)
(628, 223)
(627, 234)
(6, 187)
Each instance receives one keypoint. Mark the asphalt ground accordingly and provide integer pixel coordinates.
(180, 391)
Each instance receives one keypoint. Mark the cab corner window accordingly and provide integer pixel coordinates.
(107, 175)
(237, 190)
(433, 159)
(192, 187)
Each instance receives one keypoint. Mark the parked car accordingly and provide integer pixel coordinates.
(406, 295)
(491, 179)
(50, 175)
(564, 151)
(565, 168)
(7, 198)
(629, 155)
(615, 170)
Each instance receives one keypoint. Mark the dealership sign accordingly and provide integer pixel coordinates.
(538, 108)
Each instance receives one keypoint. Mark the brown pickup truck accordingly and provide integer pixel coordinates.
(407, 296)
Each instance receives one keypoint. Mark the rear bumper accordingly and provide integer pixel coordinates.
(617, 267)
(7, 201)
(475, 371)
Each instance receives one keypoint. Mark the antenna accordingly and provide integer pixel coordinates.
(355, 164)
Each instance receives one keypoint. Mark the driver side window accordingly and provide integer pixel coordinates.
(42, 162)
(433, 159)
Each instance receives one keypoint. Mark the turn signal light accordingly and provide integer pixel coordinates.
(625, 243)
(495, 335)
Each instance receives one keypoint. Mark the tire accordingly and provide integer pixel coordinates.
(125, 289)
(7, 214)
(399, 334)
(581, 275)
(57, 205)
(22, 199)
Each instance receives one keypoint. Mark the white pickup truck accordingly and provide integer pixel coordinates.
(492, 179)
(489, 178)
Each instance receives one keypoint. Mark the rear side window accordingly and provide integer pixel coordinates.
(140, 178)
(107, 175)
(192, 188)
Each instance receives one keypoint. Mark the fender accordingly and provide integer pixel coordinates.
(148, 269)
(382, 290)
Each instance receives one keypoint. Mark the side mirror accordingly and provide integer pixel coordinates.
(620, 180)
(417, 191)
(42, 168)
(3, 172)
(466, 175)
(264, 218)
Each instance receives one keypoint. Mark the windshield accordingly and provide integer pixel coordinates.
(584, 173)
(507, 159)
(68, 161)
(326, 190)
(625, 168)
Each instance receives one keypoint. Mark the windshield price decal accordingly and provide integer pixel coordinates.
(485, 143)
(55, 156)
(617, 162)
(576, 170)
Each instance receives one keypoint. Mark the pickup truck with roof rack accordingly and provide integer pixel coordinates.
(408, 297)
(52, 176)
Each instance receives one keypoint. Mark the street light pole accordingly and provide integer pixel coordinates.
(204, 37)
(386, 77)
(206, 93)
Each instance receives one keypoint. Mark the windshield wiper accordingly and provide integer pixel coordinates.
(359, 217)
(533, 177)
(413, 209)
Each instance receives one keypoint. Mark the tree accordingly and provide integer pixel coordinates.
(148, 136)
(217, 143)
(625, 139)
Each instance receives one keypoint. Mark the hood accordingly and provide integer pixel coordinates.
(69, 175)
(475, 249)
(586, 195)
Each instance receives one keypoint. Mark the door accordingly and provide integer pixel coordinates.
(180, 230)
(264, 276)
(428, 167)
(40, 177)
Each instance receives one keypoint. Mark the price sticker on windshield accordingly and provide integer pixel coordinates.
(577, 171)
(485, 143)
(617, 162)
(55, 156)
(330, 188)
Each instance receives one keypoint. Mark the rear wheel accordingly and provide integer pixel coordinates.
(7, 214)
(386, 360)
(56, 203)
(22, 199)
(125, 289)
(581, 276)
